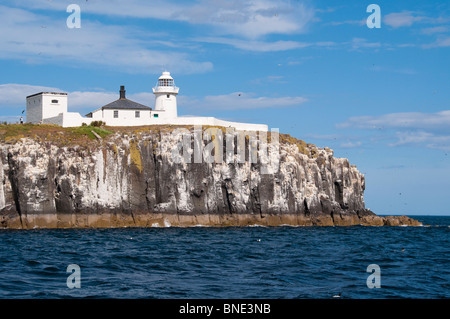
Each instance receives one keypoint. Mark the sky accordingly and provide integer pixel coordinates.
(313, 69)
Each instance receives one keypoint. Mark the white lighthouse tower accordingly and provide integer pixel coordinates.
(166, 95)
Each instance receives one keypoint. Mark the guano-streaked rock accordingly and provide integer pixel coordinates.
(131, 179)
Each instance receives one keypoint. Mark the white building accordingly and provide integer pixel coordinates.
(50, 107)
(166, 96)
(122, 112)
(45, 105)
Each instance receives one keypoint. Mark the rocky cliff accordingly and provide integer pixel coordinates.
(131, 178)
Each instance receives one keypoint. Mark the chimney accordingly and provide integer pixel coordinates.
(122, 91)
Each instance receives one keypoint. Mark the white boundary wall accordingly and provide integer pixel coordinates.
(71, 119)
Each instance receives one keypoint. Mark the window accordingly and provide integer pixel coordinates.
(116, 114)
(137, 114)
(54, 101)
(165, 82)
(155, 115)
(168, 96)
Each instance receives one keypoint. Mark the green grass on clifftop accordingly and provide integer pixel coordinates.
(57, 135)
(87, 131)
(83, 136)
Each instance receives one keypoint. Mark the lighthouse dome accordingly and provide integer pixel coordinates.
(165, 75)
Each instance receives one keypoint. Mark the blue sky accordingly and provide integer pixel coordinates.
(313, 69)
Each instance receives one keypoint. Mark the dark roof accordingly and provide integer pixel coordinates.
(55, 93)
(122, 104)
(125, 104)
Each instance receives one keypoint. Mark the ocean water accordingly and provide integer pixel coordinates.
(228, 263)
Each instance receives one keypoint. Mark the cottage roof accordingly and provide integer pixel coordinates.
(122, 104)
(126, 104)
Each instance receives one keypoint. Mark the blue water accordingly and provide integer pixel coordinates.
(247, 262)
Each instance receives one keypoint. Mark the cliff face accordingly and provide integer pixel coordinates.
(133, 179)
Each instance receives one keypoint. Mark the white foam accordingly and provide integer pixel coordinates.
(167, 223)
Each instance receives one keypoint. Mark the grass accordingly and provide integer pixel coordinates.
(83, 136)
(57, 135)
(303, 147)
(87, 131)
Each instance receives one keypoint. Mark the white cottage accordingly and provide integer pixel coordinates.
(122, 112)
(51, 107)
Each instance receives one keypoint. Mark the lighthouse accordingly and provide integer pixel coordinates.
(48, 107)
(166, 95)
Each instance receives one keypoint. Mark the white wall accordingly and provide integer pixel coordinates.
(34, 109)
(58, 120)
(212, 121)
(73, 119)
(50, 109)
(216, 122)
(126, 117)
(167, 104)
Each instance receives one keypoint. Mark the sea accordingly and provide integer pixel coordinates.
(283, 262)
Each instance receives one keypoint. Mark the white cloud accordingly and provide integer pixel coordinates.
(440, 42)
(265, 17)
(408, 18)
(324, 136)
(350, 144)
(443, 42)
(401, 19)
(240, 100)
(272, 46)
(434, 30)
(358, 43)
(429, 140)
(390, 69)
(89, 101)
(411, 137)
(415, 120)
(361, 22)
(36, 38)
(131, 8)
(430, 130)
(13, 96)
(250, 19)
(253, 45)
